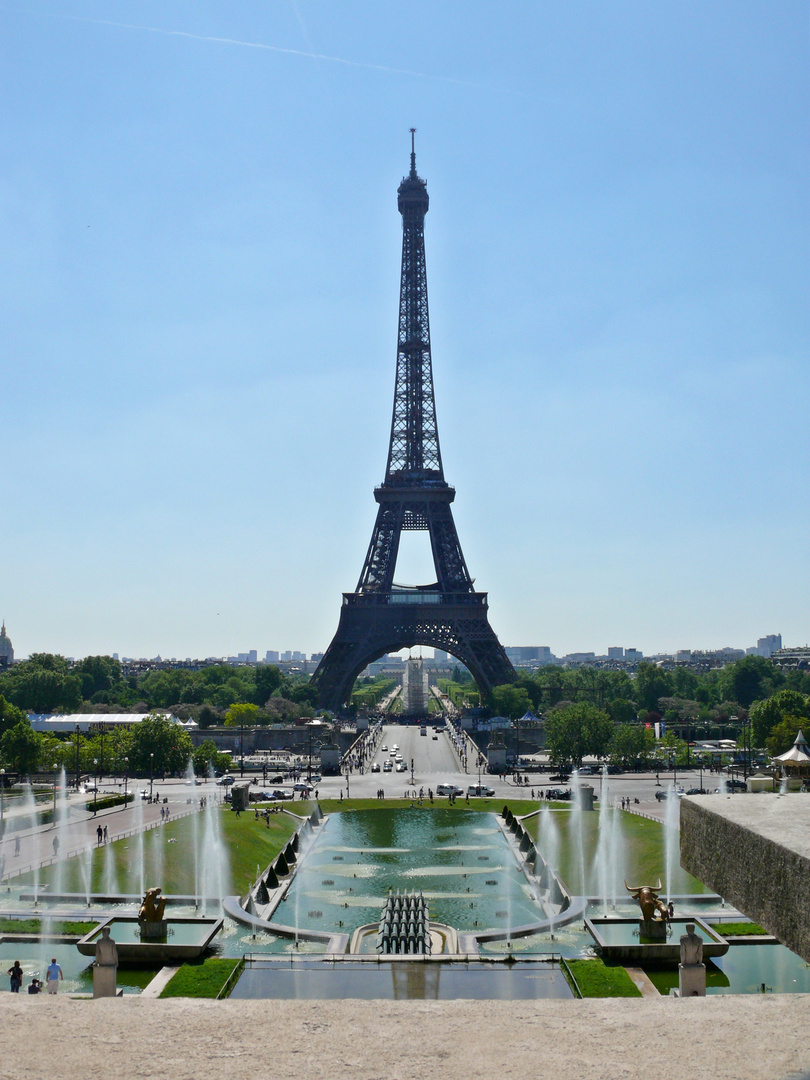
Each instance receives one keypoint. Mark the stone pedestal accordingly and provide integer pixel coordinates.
(586, 797)
(692, 980)
(655, 929)
(153, 931)
(104, 977)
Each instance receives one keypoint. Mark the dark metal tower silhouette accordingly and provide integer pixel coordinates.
(381, 617)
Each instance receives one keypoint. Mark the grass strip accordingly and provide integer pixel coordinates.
(737, 929)
(596, 979)
(201, 978)
(34, 926)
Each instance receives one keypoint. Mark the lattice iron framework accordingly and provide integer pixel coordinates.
(380, 616)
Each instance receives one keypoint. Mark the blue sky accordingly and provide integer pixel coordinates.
(199, 296)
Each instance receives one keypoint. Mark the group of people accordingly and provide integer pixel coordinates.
(53, 978)
(102, 836)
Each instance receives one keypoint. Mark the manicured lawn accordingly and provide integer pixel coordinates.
(34, 927)
(201, 979)
(168, 855)
(737, 929)
(597, 979)
(641, 850)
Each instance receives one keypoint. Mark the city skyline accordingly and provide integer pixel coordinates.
(200, 295)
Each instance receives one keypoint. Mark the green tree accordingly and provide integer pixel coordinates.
(242, 714)
(783, 735)
(208, 758)
(572, 731)
(652, 683)
(98, 674)
(750, 679)
(770, 714)
(268, 680)
(510, 700)
(629, 743)
(621, 710)
(20, 747)
(10, 715)
(43, 684)
(169, 743)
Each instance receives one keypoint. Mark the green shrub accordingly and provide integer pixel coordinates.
(108, 801)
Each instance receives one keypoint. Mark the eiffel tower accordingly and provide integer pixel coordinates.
(380, 616)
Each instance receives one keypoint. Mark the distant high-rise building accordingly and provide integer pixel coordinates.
(683, 655)
(298, 655)
(633, 654)
(271, 656)
(769, 644)
(440, 656)
(615, 652)
(253, 656)
(286, 656)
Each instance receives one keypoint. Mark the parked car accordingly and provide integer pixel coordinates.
(559, 778)
(281, 793)
(316, 778)
(449, 789)
(401, 766)
(736, 785)
(301, 787)
(481, 791)
(225, 781)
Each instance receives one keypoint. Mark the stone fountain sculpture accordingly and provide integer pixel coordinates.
(151, 915)
(654, 914)
(691, 970)
(105, 966)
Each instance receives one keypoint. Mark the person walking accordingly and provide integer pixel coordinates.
(54, 975)
(15, 974)
(99, 834)
(106, 837)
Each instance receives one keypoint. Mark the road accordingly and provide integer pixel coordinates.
(435, 762)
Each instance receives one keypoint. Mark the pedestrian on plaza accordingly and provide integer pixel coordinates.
(15, 974)
(16, 845)
(56, 845)
(53, 976)
(35, 986)
(105, 834)
(99, 834)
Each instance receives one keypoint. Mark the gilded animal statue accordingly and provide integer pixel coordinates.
(152, 907)
(648, 901)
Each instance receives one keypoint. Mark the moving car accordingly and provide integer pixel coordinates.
(375, 767)
(387, 766)
(225, 781)
(401, 766)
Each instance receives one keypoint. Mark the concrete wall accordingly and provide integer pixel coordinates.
(754, 850)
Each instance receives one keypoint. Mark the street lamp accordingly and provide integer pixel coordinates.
(55, 767)
(151, 774)
(2, 800)
(78, 736)
(95, 792)
(126, 774)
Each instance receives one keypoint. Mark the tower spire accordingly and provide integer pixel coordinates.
(413, 156)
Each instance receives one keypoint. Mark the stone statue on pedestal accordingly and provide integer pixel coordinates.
(692, 970)
(105, 967)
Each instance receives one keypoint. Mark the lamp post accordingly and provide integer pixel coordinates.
(2, 800)
(126, 776)
(55, 767)
(151, 773)
(95, 792)
(241, 747)
(78, 736)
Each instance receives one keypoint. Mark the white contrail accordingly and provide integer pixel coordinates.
(251, 45)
